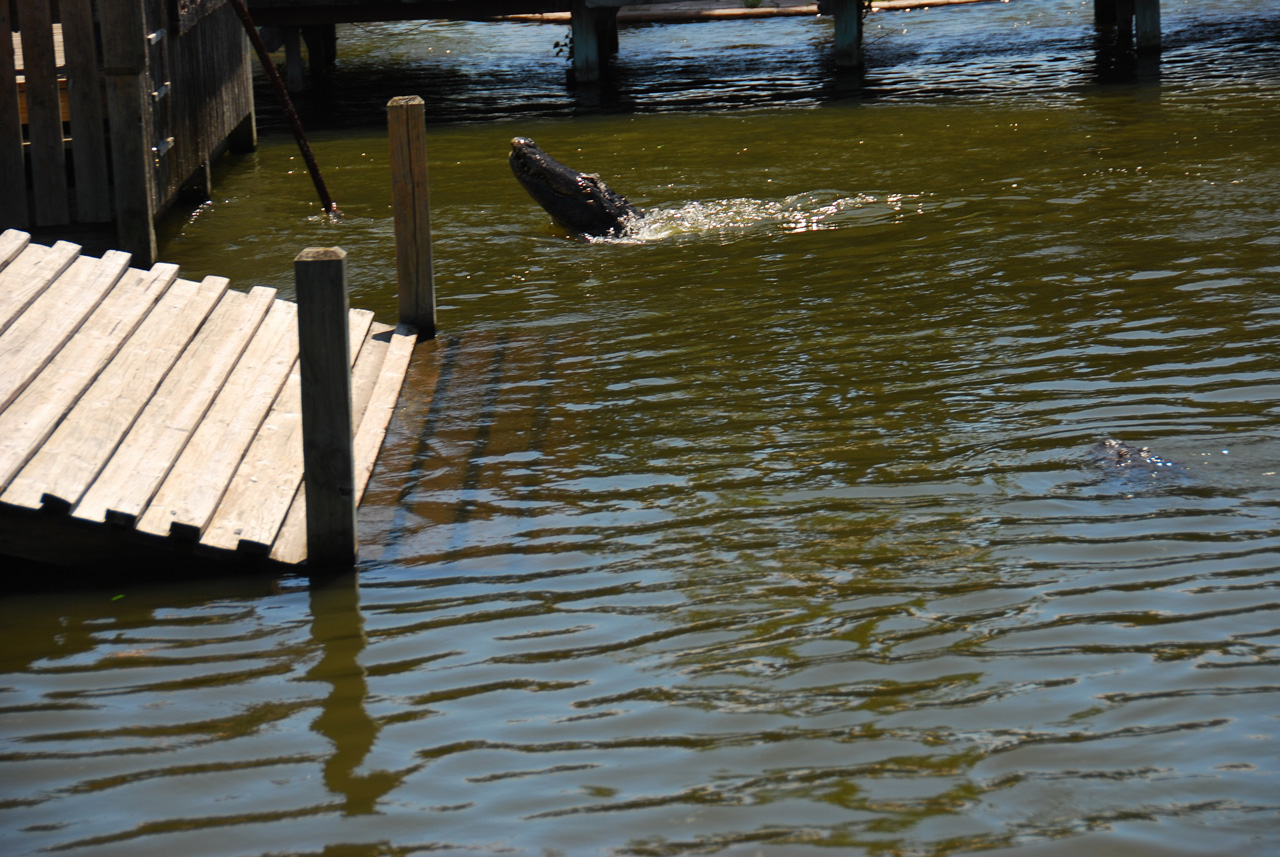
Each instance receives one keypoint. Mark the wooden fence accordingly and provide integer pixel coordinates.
(109, 110)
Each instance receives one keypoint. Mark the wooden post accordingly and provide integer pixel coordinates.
(586, 43)
(1147, 24)
(328, 453)
(407, 134)
(294, 79)
(1104, 14)
(1124, 21)
(607, 30)
(44, 114)
(13, 202)
(124, 59)
(848, 39)
(93, 193)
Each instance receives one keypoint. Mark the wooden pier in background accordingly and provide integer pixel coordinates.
(594, 23)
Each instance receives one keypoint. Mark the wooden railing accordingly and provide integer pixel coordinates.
(108, 117)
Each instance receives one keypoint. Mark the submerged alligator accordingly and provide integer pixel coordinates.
(1136, 467)
(580, 202)
(1117, 454)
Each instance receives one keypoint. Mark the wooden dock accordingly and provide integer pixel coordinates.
(143, 415)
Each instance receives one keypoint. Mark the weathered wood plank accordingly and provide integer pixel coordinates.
(38, 334)
(93, 195)
(138, 466)
(44, 113)
(365, 375)
(291, 543)
(260, 493)
(382, 403)
(29, 421)
(12, 242)
(194, 487)
(13, 202)
(68, 461)
(30, 274)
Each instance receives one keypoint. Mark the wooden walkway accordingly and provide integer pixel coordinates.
(145, 415)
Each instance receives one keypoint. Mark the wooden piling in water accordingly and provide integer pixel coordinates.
(848, 32)
(407, 136)
(328, 451)
(1147, 24)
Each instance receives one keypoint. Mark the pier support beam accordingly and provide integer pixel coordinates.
(1126, 19)
(124, 60)
(848, 37)
(595, 39)
(328, 450)
(1147, 24)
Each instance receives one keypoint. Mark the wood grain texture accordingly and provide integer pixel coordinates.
(196, 484)
(69, 460)
(141, 462)
(263, 488)
(12, 242)
(40, 332)
(22, 281)
(34, 414)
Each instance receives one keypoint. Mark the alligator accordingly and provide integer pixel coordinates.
(1136, 467)
(580, 202)
(1121, 456)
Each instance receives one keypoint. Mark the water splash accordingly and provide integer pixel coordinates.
(805, 212)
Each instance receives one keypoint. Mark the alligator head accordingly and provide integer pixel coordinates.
(580, 202)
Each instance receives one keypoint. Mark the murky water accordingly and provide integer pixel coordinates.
(774, 529)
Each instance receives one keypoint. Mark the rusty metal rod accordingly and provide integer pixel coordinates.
(295, 123)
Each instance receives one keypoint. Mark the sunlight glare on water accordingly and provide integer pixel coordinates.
(779, 525)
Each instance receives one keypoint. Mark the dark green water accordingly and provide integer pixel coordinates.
(774, 529)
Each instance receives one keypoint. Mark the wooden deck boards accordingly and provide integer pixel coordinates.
(140, 409)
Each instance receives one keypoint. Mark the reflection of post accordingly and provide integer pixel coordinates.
(338, 631)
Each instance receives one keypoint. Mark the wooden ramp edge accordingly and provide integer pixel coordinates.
(153, 420)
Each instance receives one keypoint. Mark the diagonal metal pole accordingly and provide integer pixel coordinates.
(264, 55)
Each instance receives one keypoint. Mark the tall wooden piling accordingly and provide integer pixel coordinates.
(848, 35)
(407, 135)
(328, 451)
(1147, 24)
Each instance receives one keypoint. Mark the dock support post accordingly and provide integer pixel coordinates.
(328, 451)
(1147, 24)
(124, 60)
(13, 160)
(848, 39)
(1104, 14)
(294, 79)
(586, 42)
(407, 135)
